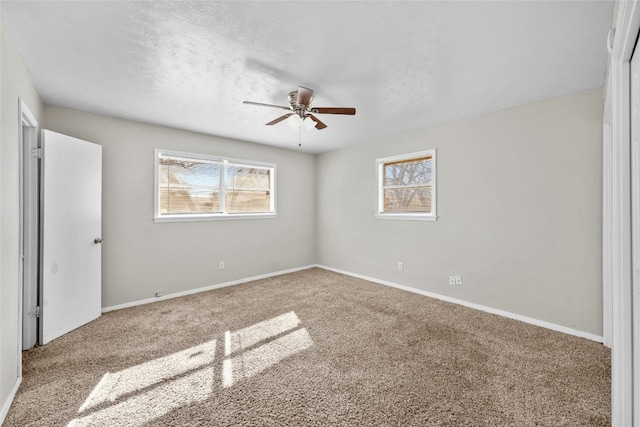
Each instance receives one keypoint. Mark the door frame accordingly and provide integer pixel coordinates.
(635, 229)
(28, 228)
(617, 252)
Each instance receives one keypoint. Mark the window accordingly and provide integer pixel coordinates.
(407, 186)
(192, 187)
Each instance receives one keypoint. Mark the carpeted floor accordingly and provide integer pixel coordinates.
(312, 348)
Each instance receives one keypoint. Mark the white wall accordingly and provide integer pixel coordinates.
(15, 82)
(140, 257)
(519, 206)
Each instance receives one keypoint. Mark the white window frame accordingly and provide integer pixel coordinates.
(158, 217)
(380, 214)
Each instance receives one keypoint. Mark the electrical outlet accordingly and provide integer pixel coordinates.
(458, 280)
(221, 265)
(400, 266)
(452, 280)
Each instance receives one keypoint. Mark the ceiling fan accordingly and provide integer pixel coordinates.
(301, 111)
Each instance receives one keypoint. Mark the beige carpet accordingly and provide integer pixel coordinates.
(312, 348)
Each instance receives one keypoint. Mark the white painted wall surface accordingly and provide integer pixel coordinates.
(14, 82)
(519, 205)
(141, 257)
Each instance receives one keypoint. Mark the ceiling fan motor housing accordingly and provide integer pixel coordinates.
(293, 102)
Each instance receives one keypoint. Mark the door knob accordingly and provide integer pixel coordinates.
(98, 240)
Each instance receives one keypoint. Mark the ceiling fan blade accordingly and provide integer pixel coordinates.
(334, 110)
(305, 95)
(279, 119)
(260, 104)
(319, 124)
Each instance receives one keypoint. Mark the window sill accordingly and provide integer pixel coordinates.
(407, 217)
(191, 218)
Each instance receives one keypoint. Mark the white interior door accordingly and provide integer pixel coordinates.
(71, 220)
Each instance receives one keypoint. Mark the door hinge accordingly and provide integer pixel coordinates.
(36, 152)
(35, 312)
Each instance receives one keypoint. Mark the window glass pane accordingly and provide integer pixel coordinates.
(408, 200)
(410, 172)
(248, 177)
(243, 201)
(247, 189)
(188, 186)
(182, 201)
(407, 186)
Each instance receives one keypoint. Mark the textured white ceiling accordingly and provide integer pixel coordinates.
(403, 65)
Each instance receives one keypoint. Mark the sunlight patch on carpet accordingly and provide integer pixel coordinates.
(251, 335)
(152, 389)
(142, 393)
(260, 358)
(278, 337)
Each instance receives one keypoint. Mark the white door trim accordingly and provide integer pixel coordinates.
(617, 244)
(607, 222)
(27, 139)
(635, 236)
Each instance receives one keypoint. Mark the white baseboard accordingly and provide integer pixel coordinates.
(7, 404)
(204, 289)
(491, 310)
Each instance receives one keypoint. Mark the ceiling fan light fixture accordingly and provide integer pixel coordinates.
(294, 121)
(309, 123)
